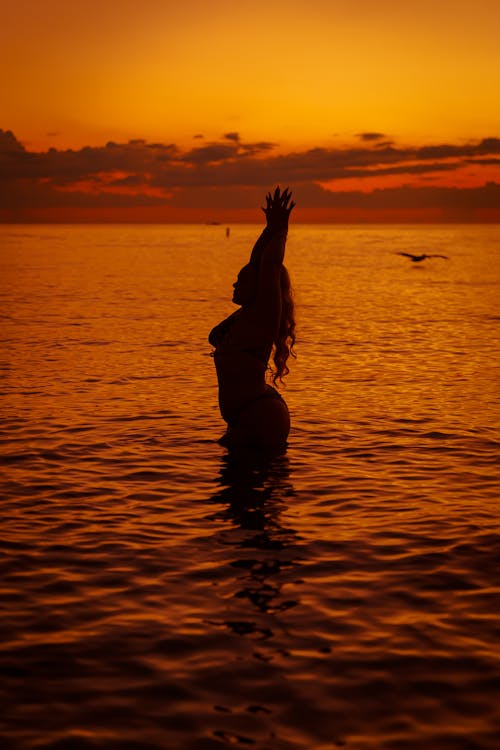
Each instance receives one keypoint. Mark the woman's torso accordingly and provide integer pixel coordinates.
(241, 370)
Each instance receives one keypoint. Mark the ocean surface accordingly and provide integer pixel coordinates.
(158, 595)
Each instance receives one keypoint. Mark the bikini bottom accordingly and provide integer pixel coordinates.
(269, 393)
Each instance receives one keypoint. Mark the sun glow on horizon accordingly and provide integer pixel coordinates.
(300, 79)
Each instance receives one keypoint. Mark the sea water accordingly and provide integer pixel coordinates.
(157, 594)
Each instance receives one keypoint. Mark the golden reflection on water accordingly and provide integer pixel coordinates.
(161, 594)
(253, 497)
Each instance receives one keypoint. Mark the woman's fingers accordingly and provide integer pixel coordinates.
(285, 198)
(278, 203)
(268, 204)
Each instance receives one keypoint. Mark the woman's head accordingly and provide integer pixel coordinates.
(245, 286)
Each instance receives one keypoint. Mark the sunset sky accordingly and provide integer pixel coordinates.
(373, 110)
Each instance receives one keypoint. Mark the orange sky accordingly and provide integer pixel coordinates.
(353, 104)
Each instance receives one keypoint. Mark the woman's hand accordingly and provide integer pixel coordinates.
(278, 208)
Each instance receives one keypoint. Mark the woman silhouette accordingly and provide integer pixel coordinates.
(264, 325)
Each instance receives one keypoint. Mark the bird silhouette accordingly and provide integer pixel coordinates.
(418, 258)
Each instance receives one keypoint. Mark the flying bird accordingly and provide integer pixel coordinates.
(418, 258)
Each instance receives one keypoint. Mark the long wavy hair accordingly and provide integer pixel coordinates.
(285, 340)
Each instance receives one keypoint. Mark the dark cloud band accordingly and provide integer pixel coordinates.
(231, 172)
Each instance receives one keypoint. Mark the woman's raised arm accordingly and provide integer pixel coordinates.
(259, 322)
(267, 307)
(277, 213)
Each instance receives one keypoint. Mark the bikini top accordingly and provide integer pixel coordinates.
(220, 338)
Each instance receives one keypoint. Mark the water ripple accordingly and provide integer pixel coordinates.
(159, 594)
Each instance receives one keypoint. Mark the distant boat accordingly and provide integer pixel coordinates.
(213, 223)
(418, 258)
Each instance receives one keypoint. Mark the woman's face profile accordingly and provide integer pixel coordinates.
(245, 286)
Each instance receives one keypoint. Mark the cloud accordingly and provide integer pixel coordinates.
(371, 136)
(9, 143)
(484, 162)
(212, 152)
(404, 197)
(233, 172)
(233, 162)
